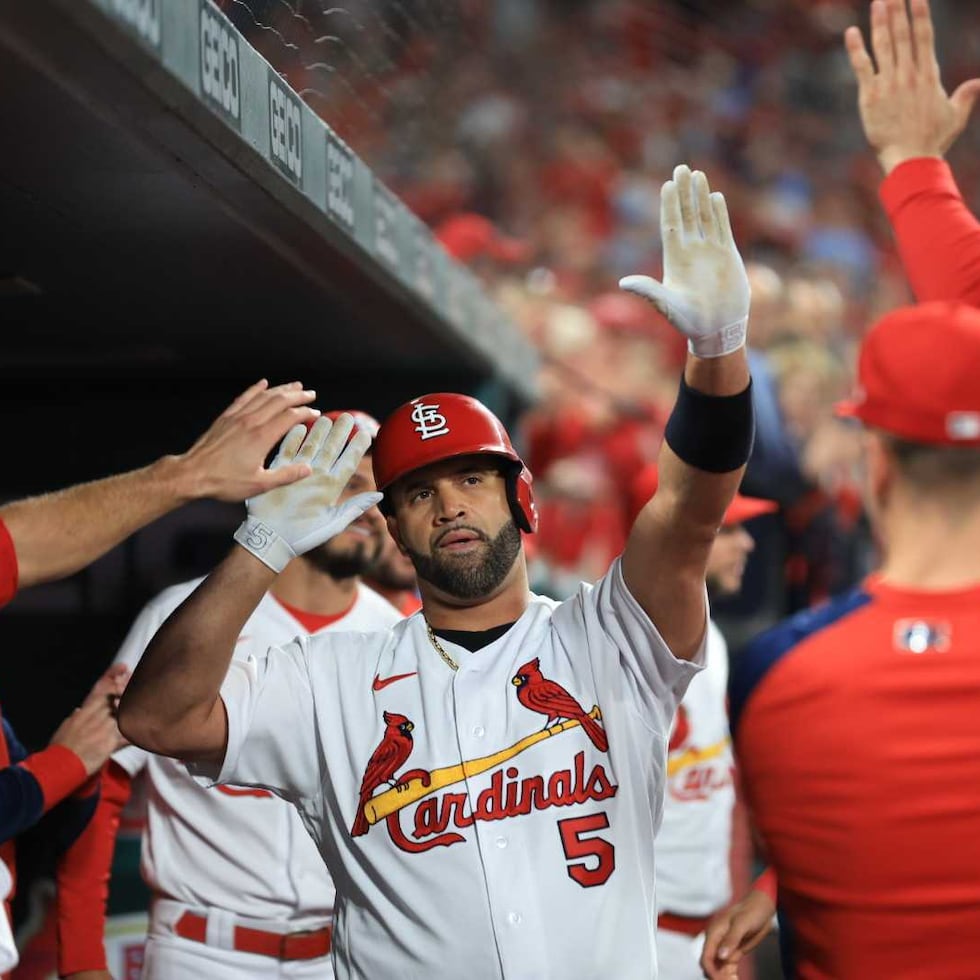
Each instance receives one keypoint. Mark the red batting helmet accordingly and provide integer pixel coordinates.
(435, 427)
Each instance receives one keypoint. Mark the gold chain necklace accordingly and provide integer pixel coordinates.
(438, 647)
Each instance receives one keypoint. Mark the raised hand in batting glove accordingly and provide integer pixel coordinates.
(705, 291)
(291, 520)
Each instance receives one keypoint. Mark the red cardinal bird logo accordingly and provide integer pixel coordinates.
(546, 697)
(390, 755)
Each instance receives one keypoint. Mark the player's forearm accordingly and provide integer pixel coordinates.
(726, 375)
(171, 701)
(56, 534)
(706, 445)
(938, 236)
(667, 552)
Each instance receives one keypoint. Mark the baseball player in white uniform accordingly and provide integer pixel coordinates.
(695, 839)
(239, 889)
(484, 780)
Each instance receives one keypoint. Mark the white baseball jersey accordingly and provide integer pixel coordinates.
(241, 850)
(693, 846)
(518, 838)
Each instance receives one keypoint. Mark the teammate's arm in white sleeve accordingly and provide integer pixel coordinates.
(705, 295)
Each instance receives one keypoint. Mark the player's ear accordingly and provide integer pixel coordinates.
(879, 465)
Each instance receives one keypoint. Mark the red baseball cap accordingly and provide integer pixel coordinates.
(741, 509)
(467, 236)
(624, 313)
(919, 375)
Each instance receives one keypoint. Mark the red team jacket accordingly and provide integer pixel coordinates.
(938, 237)
(31, 784)
(856, 724)
(856, 732)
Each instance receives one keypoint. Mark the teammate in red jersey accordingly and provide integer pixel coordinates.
(855, 723)
(911, 123)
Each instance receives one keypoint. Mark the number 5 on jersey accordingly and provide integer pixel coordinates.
(596, 848)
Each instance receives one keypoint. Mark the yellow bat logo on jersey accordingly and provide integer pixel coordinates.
(508, 795)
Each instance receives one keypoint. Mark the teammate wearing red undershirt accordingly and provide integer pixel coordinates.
(911, 123)
(855, 723)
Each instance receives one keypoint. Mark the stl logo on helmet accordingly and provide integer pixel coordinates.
(428, 422)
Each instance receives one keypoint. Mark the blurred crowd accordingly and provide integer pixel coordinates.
(533, 136)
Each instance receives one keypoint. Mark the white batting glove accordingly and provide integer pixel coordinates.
(291, 520)
(705, 292)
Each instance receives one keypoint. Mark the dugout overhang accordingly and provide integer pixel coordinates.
(149, 248)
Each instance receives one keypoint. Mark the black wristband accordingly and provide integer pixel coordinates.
(712, 432)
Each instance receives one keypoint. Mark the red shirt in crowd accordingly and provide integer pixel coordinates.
(938, 237)
(856, 729)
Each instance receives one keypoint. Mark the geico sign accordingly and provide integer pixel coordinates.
(340, 183)
(285, 131)
(385, 213)
(219, 63)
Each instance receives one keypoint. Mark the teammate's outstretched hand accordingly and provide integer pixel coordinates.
(904, 108)
(734, 932)
(705, 291)
(90, 731)
(290, 520)
(227, 462)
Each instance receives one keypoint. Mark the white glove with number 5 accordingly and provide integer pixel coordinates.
(705, 292)
(291, 520)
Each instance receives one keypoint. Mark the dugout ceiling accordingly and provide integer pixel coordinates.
(176, 223)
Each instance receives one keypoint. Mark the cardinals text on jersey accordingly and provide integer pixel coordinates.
(508, 794)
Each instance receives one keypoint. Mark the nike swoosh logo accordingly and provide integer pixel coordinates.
(380, 685)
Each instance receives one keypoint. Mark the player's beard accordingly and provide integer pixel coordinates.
(473, 575)
(358, 559)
